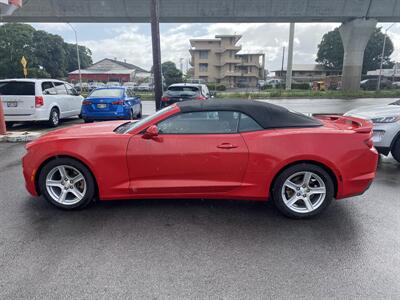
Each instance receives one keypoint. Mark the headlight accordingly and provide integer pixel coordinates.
(390, 119)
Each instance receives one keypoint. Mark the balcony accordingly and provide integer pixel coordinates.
(226, 48)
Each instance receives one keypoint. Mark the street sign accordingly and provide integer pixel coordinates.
(24, 63)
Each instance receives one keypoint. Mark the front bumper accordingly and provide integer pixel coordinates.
(384, 135)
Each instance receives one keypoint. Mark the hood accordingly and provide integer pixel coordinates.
(79, 131)
(375, 111)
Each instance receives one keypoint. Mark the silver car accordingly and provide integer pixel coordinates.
(386, 119)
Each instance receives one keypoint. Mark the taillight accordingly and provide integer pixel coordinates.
(86, 102)
(118, 102)
(369, 142)
(39, 101)
(201, 98)
(164, 99)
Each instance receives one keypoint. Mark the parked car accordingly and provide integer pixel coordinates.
(217, 149)
(274, 82)
(95, 85)
(372, 84)
(386, 119)
(84, 88)
(111, 104)
(179, 92)
(145, 87)
(130, 84)
(113, 84)
(31, 100)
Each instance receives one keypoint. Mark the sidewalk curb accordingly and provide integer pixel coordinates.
(19, 137)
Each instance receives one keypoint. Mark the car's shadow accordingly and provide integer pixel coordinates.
(210, 220)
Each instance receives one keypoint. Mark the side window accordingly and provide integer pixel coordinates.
(70, 90)
(210, 122)
(48, 88)
(60, 88)
(247, 124)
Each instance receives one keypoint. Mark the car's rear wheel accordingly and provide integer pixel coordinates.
(67, 183)
(396, 150)
(54, 119)
(303, 191)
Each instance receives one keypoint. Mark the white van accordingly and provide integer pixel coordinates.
(27, 100)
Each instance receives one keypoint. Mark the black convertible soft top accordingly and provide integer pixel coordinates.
(266, 114)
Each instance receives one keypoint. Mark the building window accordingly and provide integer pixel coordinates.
(203, 54)
(203, 67)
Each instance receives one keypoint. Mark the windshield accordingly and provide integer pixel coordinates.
(395, 103)
(183, 89)
(106, 93)
(130, 126)
(17, 88)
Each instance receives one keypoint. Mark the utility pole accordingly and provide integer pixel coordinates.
(283, 59)
(290, 58)
(155, 38)
(382, 56)
(78, 56)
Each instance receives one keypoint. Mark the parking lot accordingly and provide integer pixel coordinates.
(179, 249)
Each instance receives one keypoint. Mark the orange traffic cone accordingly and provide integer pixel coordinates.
(2, 120)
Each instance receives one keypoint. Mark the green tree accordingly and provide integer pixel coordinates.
(330, 51)
(85, 56)
(47, 54)
(171, 73)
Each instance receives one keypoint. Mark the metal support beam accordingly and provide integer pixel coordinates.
(290, 58)
(155, 38)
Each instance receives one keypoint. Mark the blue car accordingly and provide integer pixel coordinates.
(114, 103)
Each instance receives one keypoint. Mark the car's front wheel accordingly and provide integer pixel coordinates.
(396, 150)
(67, 183)
(303, 191)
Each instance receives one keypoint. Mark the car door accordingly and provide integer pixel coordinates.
(198, 152)
(74, 99)
(62, 99)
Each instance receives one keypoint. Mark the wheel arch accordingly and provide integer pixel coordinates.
(39, 170)
(325, 167)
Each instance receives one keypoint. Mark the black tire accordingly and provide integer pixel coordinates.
(277, 191)
(9, 124)
(87, 121)
(396, 150)
(131, 115)
(90, 193)
(54, 118)
(139, 115)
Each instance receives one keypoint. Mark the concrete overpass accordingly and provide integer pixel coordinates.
(207, 11)
(358, 18)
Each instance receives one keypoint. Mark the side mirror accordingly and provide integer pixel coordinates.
(151, 132)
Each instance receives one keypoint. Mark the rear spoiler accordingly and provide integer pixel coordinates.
(350, 123)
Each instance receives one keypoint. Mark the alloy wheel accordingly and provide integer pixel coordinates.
(304, 192)
(66, 185)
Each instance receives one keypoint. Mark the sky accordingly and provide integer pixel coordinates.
(132, 42)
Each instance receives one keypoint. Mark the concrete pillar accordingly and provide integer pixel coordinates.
(355, 36)
(290, 58)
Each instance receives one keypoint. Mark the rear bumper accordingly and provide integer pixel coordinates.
(119, 114)
(38, 115)
(359, 178)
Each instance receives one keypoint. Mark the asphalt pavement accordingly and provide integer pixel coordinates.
(192, 249)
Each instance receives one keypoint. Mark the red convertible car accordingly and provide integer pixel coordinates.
(216, 149)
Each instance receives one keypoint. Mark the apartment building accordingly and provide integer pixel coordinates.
(218, 60)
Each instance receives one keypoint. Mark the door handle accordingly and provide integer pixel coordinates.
(227, 146)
